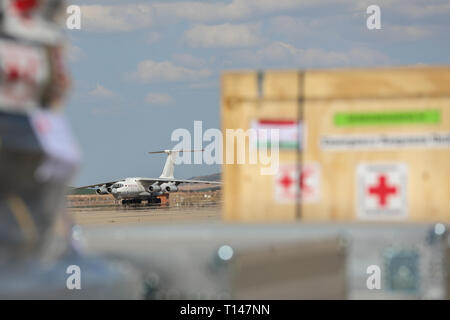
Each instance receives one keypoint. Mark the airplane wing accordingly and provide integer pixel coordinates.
(150, 181)
(106, 184)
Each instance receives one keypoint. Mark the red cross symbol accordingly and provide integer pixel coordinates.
(382, 190)
(12, 73)
(304, 187)
(25, 7)
(286, 181)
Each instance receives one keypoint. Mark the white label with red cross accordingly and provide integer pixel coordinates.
(291, 186)
(24, 74)
(382, 191)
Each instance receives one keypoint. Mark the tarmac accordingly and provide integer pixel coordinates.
(116, 215)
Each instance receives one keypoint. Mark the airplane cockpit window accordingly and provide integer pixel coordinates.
(117, 185)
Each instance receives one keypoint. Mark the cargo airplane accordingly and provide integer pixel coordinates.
(134, 190)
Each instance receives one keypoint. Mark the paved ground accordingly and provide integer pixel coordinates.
(118, 215)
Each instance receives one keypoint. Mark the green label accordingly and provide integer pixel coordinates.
(281, 144)
(342, 119)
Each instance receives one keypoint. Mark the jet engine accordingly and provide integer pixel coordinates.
(154, 188)
(166, 187)
(102, 190)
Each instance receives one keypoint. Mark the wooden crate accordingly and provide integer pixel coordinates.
(376, 145)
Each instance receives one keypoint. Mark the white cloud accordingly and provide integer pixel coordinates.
(150, 71)
(116, 18)
(110, 18)
(281, 54)
(101, 92)
(410, 9)
(222, 36)
(195, 11)
(159, 99)
(129, 17)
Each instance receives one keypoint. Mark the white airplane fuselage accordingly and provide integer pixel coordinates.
(129, 189)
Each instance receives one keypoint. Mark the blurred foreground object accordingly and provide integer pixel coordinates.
(38, 157)
(369, 144)
(283, 261)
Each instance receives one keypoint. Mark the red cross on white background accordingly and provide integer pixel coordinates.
(291, 185)
(381, 191)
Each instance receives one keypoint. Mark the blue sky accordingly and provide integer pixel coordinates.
(142, 69)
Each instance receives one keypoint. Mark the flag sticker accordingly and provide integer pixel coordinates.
(382, 191)
(291, 133)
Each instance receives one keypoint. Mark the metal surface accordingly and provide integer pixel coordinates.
(178, 258)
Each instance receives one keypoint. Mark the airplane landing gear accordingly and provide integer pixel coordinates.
(153, 200)
(150, 201)
(131, 201)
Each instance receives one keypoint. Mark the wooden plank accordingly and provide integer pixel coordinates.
(377, 83)
(249, 194)
(282, 85)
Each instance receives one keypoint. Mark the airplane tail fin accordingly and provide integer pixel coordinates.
(169, 166)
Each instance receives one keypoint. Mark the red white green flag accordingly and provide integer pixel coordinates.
(291, 133)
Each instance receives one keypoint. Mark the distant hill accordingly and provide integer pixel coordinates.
(202, 187)
(74, 191)
(211, 177)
